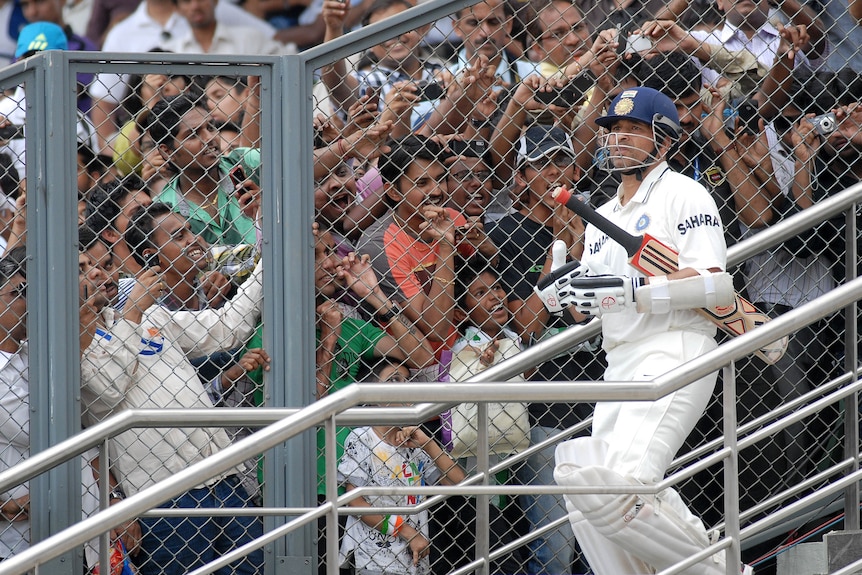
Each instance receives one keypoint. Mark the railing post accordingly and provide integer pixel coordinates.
(851, 363)
(292, 307)
(52, 299)
(731, 469)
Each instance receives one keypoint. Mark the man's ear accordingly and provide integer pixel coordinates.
(166, 151)
(392, 192)
(459, 314)
(111, 235)
(520, 180)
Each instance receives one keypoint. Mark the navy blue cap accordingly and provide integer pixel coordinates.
(645, 105)
(540, 141)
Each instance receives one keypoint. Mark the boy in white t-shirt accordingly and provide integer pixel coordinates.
(384, 456)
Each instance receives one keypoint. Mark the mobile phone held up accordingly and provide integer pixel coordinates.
(237, 175)
(571, 94)
(429, 91)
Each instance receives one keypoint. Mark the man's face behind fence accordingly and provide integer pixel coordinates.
(196, 144)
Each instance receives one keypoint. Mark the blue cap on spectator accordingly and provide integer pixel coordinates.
(540, 141)
(645, 105)
(40, 36)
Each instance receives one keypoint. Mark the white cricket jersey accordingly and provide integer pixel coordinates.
(680, 213)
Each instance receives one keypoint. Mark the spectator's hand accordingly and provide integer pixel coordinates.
(603, 54)
(667, 36)
(16, 508)
(471, 84)
(567, 226)
(329, 318)
(326, 127)
(251, 360)
(420, 547)
(334, 14)
(400, 99)
(437, 225)
(712, 125)
(154, 166)
(131, 535)
(368, 144)
(363, 113)
(754, 150)
(147, 289)
(474, 234)
(805, 139)
(19, 220)
(247, 194)
(411, 437)
(849, 119)
(357, 274)
(524, 96)
(796, 38)
(487, 356)
(215, 286)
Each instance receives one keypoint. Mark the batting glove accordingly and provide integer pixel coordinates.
(554, 289)
(598, 295)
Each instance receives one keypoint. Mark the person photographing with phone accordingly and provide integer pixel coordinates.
(217, 193)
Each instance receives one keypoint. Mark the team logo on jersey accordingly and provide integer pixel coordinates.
(642, 223)
(715, 176)
(154, 343)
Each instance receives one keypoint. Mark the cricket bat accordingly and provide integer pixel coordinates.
(653, 258)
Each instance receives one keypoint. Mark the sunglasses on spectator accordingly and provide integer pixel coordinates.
(559, 160)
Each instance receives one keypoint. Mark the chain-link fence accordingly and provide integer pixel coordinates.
(487, 112)
(435, 153)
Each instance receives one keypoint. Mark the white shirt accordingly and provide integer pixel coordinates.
(13, 109)
(15, 448)
(764, 45)
(680, 213)
(139, 32)
(146, 365)
(7, 42)
(369, 461)
(777, 276)
(228, 40)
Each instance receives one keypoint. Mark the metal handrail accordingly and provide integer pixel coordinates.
(360, 393)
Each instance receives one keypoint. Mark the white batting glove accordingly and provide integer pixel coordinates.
(598, 295)
(553, 289)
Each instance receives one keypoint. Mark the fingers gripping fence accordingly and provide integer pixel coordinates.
(438, 133)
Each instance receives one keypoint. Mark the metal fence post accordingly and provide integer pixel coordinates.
(53, 324)
(292, 310)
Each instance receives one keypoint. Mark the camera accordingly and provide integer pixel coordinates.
(638, 43)
(825, 124)
(571, 94)
(429, 90)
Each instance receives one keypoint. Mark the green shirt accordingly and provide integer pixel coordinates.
(356, 344)
(232, 226)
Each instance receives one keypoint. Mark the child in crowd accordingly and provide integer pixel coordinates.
(384, 456)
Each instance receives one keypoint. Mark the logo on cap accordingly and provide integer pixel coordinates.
(624, 107)
(38, 44)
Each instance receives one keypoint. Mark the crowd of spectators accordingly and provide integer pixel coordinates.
(435, 155)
